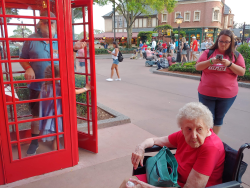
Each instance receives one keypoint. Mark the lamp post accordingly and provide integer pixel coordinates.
(22, 27)
(241, 34)
(179, 20)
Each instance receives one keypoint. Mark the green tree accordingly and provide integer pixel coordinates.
(80, 36)
(18, 32)
(97, 31)
(131, 9)
(11, 11)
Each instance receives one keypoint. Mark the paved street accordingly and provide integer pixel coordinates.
(152, 102)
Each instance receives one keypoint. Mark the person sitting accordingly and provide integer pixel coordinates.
(200, 152)
(134, 55)
(169, 58)
(163, 63)
(150, 55)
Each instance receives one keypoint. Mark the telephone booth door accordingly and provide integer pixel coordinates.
(38, 129)
(82, 28)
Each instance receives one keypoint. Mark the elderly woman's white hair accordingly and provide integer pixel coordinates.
(193, 111)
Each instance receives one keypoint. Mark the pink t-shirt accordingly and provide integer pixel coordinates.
(81, 54)
(169, 58)
(217, 80)
(149, 53)
(208, 159)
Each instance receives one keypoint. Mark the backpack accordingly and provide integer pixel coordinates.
(185, 46)
(120, 57)
(236, 55)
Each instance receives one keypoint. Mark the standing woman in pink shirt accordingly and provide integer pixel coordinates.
(218, 87)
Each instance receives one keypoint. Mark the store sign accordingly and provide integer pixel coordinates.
(247, 26)
(210, 31)
(155, 34)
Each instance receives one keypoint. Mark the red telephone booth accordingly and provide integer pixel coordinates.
(43, 121)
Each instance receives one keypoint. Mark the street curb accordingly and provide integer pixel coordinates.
(119, 119)
(240, 84)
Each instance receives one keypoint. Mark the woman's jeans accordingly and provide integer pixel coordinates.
(218, 106)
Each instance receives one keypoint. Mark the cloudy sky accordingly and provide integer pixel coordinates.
(240, 8)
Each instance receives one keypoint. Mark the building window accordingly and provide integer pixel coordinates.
(140, 22)
(231, 21)
(164, 17)
(153, 22)
(197, 15)
(125, 23)
(187, 16)
(144, 22)
(176, 15)
(116, 20)
(136, 23)
(149, 22)
(216, 15)
(120, 22)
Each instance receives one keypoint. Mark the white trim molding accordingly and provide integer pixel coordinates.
(162, 20)
(216, 9)
(176, 16)
(185, 17)
(198, 19)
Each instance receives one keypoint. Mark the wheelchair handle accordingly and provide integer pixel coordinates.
(155, 148)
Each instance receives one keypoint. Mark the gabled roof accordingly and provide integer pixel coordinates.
(152, 13)
(108, 14)
(226, 9)
(237, 32)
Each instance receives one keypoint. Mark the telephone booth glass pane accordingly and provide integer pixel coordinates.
(31, 73)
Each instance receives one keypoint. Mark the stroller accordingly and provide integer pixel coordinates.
(149, 61)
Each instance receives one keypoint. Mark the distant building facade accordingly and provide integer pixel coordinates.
(198, 15)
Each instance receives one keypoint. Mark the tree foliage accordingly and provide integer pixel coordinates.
(162, 27)
(17, 33)
(97, 31)
(11, 11)
(131, 9)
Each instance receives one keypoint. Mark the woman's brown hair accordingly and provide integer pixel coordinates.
(116, 45)
(230, 50)
(48, 74)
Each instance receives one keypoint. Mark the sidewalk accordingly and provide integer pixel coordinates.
(107, 169)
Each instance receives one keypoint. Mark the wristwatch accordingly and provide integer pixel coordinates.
(74, 50)
(85, 89)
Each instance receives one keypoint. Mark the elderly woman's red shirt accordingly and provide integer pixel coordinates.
(208, 159)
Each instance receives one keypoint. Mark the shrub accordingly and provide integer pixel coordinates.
(245, 52)
(185, 67)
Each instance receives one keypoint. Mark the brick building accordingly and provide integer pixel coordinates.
(198, 15)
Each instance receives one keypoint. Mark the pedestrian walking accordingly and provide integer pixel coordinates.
(153, 44)
(172, 46)
(140, 49)
(114, 54)
(218, 87)
(183, 49)
(203, 45)
(209, 43)
(164, 47)
(194, 48)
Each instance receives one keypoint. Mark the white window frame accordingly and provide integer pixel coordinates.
(219, 14)
(231, 21)
(185, 19)
(165, 21)
(176, 16)
(197, 20)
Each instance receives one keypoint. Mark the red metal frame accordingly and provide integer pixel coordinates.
(13, 170)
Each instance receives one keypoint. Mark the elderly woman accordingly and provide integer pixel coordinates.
(200, 152)
(218, 87)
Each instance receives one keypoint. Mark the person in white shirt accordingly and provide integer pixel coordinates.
(172, 47)
(203, 46)
(153, 44)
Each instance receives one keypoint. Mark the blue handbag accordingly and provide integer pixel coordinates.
(161, 169)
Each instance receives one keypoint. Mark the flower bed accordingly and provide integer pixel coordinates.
(190, 67)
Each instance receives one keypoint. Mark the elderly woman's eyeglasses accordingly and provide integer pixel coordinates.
(226, 42)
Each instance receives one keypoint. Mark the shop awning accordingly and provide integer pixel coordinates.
(117, 35)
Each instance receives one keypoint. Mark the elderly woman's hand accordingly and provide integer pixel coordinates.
(137, 156)
(140, 184)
